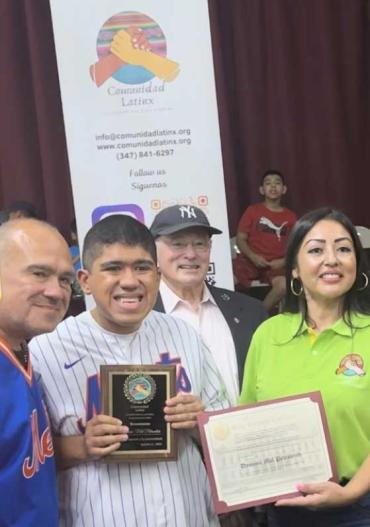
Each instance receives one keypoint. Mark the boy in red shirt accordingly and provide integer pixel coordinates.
(262, 235)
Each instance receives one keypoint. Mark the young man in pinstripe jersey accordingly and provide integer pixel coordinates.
(120, 271)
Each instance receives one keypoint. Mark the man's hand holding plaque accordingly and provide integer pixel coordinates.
(103, 435)
(182, 411)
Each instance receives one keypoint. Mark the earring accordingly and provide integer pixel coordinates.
(296, 293)
(365, 284)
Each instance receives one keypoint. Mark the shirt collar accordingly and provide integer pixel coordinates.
(207, 296)
(294, 326)
(171, 300)
(358, 321)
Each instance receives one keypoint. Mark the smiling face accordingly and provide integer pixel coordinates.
(326, 263)
(183, 258)
(124, 282)
(273, 187)
(36, 275)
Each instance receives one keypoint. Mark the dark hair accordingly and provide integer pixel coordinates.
(27, 209)
(272, 172)
(118, 228)
(355, 300)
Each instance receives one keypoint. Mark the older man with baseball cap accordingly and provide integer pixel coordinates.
(225, 320)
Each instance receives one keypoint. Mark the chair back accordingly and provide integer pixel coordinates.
(234, 249)
(364, 235)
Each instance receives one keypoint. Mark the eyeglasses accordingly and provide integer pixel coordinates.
(198, 246)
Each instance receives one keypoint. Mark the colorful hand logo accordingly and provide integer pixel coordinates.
(130, 45)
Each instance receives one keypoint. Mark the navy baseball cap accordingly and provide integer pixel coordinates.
(179, 217)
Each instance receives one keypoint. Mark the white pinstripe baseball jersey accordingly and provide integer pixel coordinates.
(173, 493)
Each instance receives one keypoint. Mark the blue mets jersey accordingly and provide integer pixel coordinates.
(27, 471)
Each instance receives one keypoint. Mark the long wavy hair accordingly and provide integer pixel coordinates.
(357, 299)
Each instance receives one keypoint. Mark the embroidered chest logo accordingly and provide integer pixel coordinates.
(42, 448)
(351, 365)
(268, 226)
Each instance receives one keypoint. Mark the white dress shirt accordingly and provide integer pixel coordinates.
(211, 325)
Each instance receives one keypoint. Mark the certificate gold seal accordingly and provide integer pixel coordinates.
(220, 431)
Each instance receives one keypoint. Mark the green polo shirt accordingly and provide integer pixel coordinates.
(285, 360)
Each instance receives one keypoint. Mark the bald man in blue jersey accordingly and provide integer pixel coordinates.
(35, 276)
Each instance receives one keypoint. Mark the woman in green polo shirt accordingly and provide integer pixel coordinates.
(321, 341)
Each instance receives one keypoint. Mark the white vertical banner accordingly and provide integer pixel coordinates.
(140, 112)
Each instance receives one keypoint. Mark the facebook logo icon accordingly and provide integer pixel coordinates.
(129, 209)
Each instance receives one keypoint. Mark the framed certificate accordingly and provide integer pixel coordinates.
(137, 396)
(256, 454)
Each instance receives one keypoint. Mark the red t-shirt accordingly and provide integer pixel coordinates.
(267, 230)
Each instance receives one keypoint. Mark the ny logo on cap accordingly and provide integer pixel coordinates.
(188, 210)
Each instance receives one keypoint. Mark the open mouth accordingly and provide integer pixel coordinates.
(128, 302)
(187, 267)
(331, 277)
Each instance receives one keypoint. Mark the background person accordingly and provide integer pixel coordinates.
(21, 209)
(120, 272)
(4, 216)
(74, 248)
(35, 276)
(262, 235)
(77, 304)
(321, 342)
